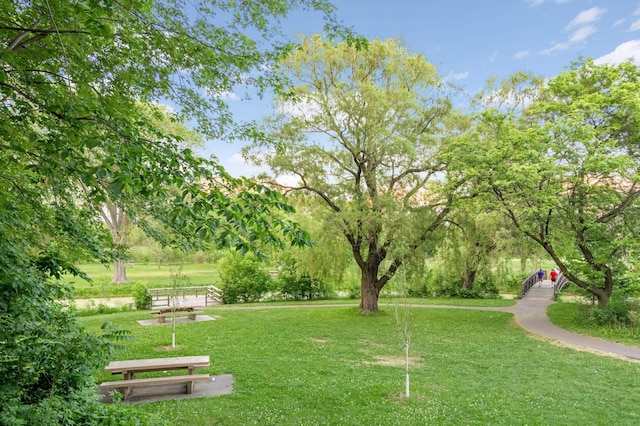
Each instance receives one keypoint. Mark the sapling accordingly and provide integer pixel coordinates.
(405, 325)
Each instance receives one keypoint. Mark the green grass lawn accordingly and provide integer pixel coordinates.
(566, 315)
(334, 366)
(151, 275)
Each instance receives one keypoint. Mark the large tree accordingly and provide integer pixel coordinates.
(363, 131)
(72, 75)
(564, 167)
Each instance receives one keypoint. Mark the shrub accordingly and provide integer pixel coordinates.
(621, 311)
(141, 296)
(428, 286)
(101, 309)
(513, 282)
(293, 282)
(355, 291)
(242, 279)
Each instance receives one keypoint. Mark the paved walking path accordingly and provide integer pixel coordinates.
(531, 314)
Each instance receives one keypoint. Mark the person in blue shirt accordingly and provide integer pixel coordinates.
(540, 277)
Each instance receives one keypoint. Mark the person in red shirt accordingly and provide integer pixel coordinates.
(554, 276)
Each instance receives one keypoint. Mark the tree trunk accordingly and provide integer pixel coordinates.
(369, 298)
(119, 272)
(369, 293)
(470, 278)
(523, 263)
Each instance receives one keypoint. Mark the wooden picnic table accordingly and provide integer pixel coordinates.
(189, 311)
(128, 368)
(167, 309)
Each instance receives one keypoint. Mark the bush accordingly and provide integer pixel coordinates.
(141, 296)
(294, 283)
(437, 284)
(514, 282)
(428, 286)
(101, 309)
(242, 279)
(620, 311)
(355, 291)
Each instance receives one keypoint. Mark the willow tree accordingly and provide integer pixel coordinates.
(72, 74)
(564, 166)
(363, 131)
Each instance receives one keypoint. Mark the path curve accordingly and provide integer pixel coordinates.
(531, 314)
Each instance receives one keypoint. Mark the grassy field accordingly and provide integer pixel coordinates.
(151, 275)
(334, 366)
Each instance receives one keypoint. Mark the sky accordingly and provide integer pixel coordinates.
(470, 41)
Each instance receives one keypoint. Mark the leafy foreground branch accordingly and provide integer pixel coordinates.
(73, 136)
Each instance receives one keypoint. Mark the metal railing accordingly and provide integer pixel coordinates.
(561, 281)
(528, 283)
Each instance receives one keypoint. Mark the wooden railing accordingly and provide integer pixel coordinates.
(163, 296)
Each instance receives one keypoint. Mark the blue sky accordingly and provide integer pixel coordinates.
(470, 41)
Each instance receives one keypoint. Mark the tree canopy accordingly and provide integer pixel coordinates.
(564, 167)
(363, 130)
(72, 135)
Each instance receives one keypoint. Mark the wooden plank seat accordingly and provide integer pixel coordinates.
(125, 386)
(128, 368)
(161, 315)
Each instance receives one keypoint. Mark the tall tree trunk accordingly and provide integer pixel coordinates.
(119, 272)
(369, 291)
(369, 298)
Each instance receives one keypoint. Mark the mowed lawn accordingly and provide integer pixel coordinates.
(334, 366)
(151, 275)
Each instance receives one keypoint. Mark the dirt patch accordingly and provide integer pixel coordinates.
(169, 348)
(394, 361)
(319, 340)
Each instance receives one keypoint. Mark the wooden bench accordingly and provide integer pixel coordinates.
(161, 315)
(125, 386)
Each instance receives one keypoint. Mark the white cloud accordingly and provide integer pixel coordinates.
(636, 12)
(535, 3)
(580, 27)
(558, 47)
(619, 22)
(635, 26)
(493, 56)
(627, 50)
(522, 54)
(586, 17)
(228, 95)
(581, 34)
(457, 76)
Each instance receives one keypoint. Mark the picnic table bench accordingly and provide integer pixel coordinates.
(129, 368)
(189, 311)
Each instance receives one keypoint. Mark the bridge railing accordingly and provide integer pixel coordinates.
(528, 283)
